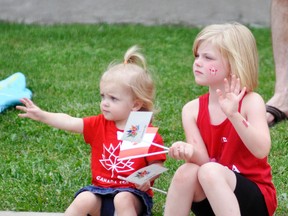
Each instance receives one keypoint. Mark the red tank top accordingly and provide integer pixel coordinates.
(225, 147)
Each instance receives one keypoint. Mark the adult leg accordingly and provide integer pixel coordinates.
(183, 190)
(279, 28)
(86, 203)
(127, 204)
(219, 183)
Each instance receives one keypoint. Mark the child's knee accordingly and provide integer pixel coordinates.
(184, 172)
(84, 202)
(209, 173)
(126, 202)
(123, 197)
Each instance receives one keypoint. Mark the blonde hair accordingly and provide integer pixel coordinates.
(133, 73)
(237, 44)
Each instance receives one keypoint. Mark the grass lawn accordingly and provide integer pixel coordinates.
(41, 167)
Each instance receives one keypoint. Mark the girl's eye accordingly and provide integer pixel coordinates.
(102, 96)
(114, 99)
(209, 58)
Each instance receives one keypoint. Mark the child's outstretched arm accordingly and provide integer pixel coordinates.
(58, 120)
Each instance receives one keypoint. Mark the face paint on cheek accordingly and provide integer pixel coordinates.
(213, 71)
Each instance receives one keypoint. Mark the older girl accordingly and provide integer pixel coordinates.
(227, 138)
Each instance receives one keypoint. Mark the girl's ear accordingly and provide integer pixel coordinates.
(137, 105)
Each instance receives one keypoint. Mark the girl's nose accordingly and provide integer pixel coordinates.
(197, 62)
(105, 103)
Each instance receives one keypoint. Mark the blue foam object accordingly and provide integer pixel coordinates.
(12, 89)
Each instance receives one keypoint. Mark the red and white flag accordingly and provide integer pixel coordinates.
(130, 149)
(138, 137)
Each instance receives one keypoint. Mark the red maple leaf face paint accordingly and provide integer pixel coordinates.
(213, 71)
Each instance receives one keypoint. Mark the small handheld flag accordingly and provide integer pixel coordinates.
(138, 137)
(136, 126)
(144, 174)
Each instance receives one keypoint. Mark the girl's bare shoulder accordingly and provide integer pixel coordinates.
(253, 102)
(252, 99)
(191, 108)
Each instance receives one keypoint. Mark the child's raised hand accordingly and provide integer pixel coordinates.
(30, 109)
(229, 100)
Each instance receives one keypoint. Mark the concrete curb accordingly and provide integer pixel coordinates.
(148, 12)
(12, 213)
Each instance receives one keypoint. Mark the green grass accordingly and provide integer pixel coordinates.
(41, 167)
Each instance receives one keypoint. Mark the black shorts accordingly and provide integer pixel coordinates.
(249, 196)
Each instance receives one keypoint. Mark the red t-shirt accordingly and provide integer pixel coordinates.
(101, 134)
(225, 147)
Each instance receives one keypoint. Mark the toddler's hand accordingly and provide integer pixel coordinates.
(30, 109)
(144, 187)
